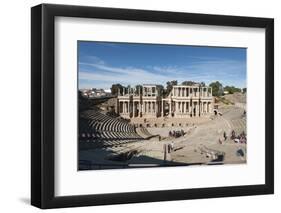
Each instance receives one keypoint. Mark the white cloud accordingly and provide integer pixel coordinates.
(230, 72)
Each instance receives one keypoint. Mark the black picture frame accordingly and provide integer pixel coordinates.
(43, 105)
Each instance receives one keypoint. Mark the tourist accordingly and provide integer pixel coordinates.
(224, 135)
(172, 146)
(169, 148)
(182, 132)
(170, 133)
(233, 135)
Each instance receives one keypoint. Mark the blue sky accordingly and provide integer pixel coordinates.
(102, 64)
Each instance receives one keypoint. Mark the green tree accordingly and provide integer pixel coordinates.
(191, 83)
(115, 87)
(169, 86)
(161, 90)
(217, 88)
(188, 83)
(231, 89)
(139, 89)
(202, 84)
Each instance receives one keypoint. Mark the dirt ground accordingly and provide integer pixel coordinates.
(199, 145)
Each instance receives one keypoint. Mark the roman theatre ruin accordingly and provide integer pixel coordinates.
(147, 104)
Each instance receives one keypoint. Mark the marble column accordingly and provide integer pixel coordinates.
(124, 106)
(145, 107)
(163, 108)
(141, 108)
(133, 109)
(210, 108)
(170, 108)
(117, 106)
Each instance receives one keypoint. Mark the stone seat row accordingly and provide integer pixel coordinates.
(109, 135)
(100, 143)
(97, 129)
(104, 122)
(145, 132)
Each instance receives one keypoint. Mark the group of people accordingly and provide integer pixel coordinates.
(241, 138)
(176, 134)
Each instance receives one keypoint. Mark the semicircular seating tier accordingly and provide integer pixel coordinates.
(104, 130)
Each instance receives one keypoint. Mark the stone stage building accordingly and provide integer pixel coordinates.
(147, 101)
